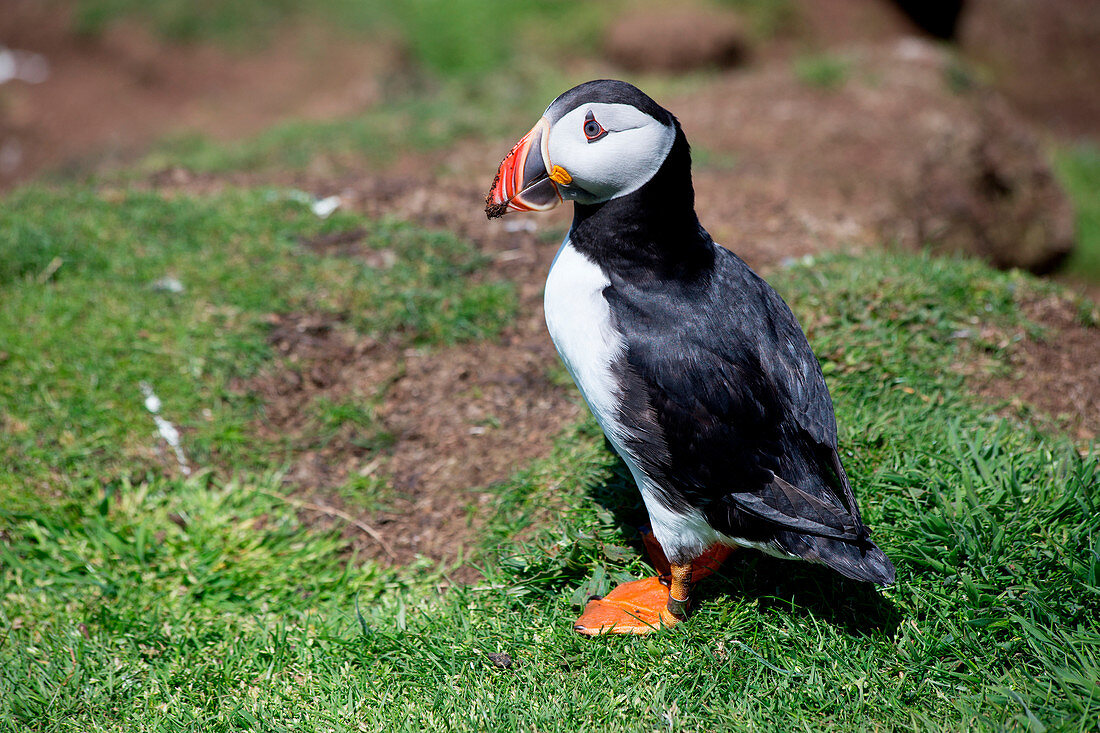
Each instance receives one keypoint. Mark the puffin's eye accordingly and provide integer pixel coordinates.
(592, 129)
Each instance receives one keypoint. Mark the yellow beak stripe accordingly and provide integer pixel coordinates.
(560, 176)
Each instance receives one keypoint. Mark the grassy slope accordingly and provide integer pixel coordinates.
(84, 323)
(452, 37)
(137, 601)
(1079, 171)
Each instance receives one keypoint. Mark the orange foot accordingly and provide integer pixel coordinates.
(637, 607)
(641, 606)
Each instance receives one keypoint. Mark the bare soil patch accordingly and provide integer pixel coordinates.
(461, 418)
(1043, 56)
(1054, 375)
(110, 96)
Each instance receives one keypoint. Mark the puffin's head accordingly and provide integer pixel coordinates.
(596, 142)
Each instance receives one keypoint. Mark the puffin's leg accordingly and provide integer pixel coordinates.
(679, 591)
(701, 567)
(644, 606)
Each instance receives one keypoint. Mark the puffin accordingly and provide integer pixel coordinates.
(697, 371)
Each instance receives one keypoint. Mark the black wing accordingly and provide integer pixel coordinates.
(727, 409)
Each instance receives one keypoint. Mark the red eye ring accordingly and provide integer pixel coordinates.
(593, 130)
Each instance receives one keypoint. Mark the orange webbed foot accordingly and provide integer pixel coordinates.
(641, 606)
(637, 607)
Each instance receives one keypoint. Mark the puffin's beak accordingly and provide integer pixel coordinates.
(524, 181)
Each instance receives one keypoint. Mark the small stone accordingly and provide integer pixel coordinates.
(168, 285)
(501, 660)
(324, 207)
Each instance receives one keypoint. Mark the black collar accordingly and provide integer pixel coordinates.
(652, 232)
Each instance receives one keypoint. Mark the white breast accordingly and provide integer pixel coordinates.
(579, 321)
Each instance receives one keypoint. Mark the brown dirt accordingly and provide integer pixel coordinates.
(462, 417)
(1042, 55)
(675, 39)
(110, 96)
(858, 175)
(1053, 376)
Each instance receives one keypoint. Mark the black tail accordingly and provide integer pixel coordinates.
(858, 561)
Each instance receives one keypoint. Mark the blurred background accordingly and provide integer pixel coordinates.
(963, 124)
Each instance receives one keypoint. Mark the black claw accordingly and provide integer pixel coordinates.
(677, 608)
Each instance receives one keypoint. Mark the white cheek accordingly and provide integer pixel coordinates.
(624, 161)
(616, 165)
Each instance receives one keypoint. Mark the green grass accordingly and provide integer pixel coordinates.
(766, 18)
(83, 323)
(448, 37)
(1078, 170)
(144, 602)
(472, 37)
(242, 22)
(501, 105)
(822, 71)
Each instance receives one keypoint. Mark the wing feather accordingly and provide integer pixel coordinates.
(727, 406)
